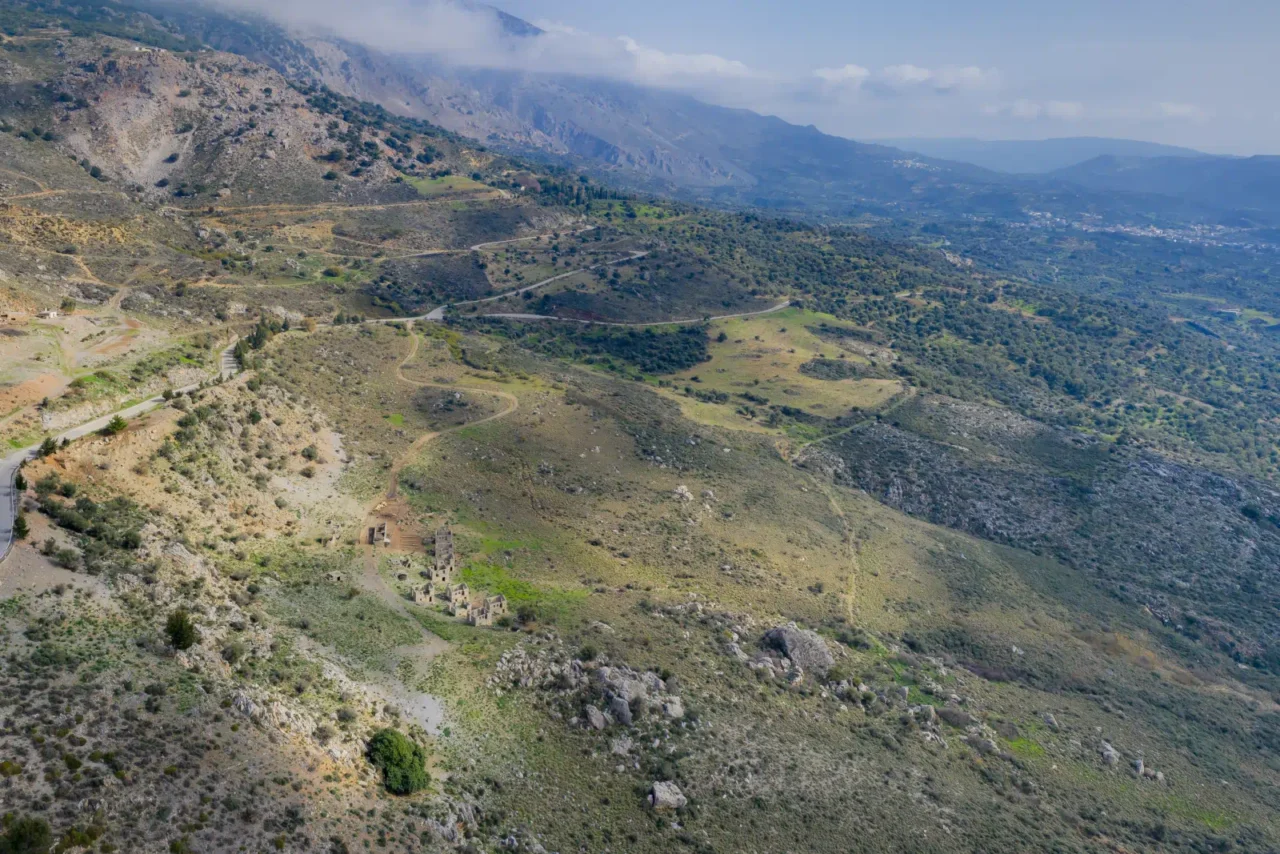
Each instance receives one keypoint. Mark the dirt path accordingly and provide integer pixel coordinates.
(328, 206)
(372, 579)
(851, 545)
(40, 187)
(437, 314)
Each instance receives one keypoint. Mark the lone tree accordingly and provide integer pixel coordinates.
(48, 446)
(19, 482)
(403, 763)
(20, 527)
(181, 630)
(116, 425)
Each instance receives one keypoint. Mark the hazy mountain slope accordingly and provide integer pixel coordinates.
(1030, 156)
(1247, 184)
(646, 137)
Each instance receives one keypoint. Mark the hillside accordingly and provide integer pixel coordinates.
(653, 140)
(1032, 156)
(534, 515)
(1246, 185)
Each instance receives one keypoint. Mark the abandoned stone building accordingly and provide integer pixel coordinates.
(379, 535)
(481, 616)
(446, 560)
(457, 594)
(461, 608)
(425, 595)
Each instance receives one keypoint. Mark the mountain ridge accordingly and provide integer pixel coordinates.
(1034, 156)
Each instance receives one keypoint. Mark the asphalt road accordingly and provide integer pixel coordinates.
(227, 368)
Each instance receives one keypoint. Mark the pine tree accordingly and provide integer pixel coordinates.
(181, 630)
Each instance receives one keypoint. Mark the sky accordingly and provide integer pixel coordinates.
(1189, 73)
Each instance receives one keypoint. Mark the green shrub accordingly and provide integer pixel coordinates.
(181, 630)
(20, 527)
(25, 836)
(402, 762)
(116, 425)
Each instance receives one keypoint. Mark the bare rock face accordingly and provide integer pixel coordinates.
(807, 649)
(666, 796)
(621, 711)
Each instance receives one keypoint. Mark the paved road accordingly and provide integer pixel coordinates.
(227, 367)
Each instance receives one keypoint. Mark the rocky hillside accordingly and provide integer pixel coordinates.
(199, 126)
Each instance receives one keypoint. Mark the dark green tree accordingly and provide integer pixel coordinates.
(25, 836)
(48, 446)
(402, 762)
(117, 424)
(20, 527)
(181, 630)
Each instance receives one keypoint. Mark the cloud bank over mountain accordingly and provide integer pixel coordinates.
(859, 99)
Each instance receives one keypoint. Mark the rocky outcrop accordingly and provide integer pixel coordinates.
(805, 648)
(666, 796)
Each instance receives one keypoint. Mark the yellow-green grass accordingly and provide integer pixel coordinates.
(762, 356)
(446, 184)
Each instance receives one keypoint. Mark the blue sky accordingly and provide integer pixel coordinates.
(1193, 73)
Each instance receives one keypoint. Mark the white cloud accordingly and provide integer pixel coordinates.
(948, 78)
(656, 67)
(905, 75)
(847, 75)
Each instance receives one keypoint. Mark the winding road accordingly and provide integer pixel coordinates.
(228, 367)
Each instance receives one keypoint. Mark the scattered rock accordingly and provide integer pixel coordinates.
(245, 706)
(666, 796)
(595, 718)
(1110, 755)
(683, 493)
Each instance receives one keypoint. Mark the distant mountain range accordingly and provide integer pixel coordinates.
(1034, 156)
(1240, 183)
(663, 142)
